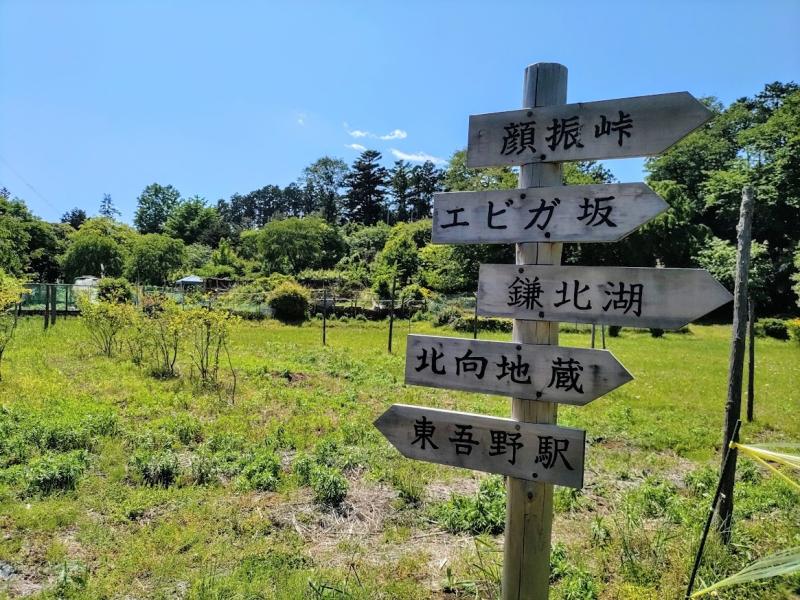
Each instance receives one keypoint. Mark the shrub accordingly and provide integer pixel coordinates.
(774, 328)
(53, 472)
(446, 316)
(656, 332)
(794, 329)
(186, 428)
(302, 467)
(329, 486)
(207, 331)
(613, 330)
(483, 513)
(156, 467)
(163, 332)
(289, 302)
(261, 472)
(11, 292)
(114, 289)
(105, 320)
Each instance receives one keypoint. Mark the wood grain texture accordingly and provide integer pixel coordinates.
(547, 214)
(401, 426)
(670, 298)
(656, 123)
(548, 373)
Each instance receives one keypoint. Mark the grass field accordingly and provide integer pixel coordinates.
(115, 484)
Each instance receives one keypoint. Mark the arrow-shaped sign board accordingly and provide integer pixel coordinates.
(536, 452)
(639, 126)
(631, 296)
(545, 373)
(576, 213)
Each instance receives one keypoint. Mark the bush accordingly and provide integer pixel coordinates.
(261, 472)
(656, 332)
(53, 472)
(105, 320)
(613, 330)
(289, 302)
(794, 329)
(329, 486)
(483, 513)
(302, 467)
(204, 468)
(446, 316)
(114, 289)
(156, 468)
(186, 428)
(774, 328)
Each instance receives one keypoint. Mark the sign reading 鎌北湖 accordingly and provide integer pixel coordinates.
(577, 213)
(545, 373)
(546, 453)
(639, 126)
(632, 296)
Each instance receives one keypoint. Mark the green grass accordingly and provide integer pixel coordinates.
(117, 484)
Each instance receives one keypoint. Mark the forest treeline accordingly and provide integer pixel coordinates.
(361, 224)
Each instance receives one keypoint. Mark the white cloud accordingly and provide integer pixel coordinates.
(300, 118)
(358, 147)
(395, 134)
(417, 157)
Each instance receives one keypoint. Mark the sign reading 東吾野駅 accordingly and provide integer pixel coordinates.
(546, 453)
(536, 372)
(631, 296)
(577, 213)
(639, 126)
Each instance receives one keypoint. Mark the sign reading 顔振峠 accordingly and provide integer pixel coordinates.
(639, 126)
(630, 296)
(576, 213)
(546, 453)
(535, 372)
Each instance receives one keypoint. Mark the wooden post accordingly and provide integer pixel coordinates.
(324, 315)
(733, 405)
(391, 313)
(751, 356)
(53, 303)
(594, 330)
(529, 508)
(603, 335)
(46, 305)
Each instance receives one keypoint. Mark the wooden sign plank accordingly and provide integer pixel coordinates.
(639, 126)
(546, 373)
(632, 296)
(545, 453)
(576, 213)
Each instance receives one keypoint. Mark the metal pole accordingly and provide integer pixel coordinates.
(728, 452)
(475, 320)
(751, 358)
(529, 508)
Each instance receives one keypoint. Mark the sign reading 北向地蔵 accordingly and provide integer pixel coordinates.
(639, 126)
(577, 213)
(536, 372)
(546, 453)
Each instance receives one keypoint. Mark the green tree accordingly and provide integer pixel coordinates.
(154, 206)
(400, 189)
(294, 244)
(98, 248)
(107, 208)
(74, 217)
(153, 258)
(458, 177)
(366, 193)
(323, 182)
(194, 222)
(718, 257)
(424, 181)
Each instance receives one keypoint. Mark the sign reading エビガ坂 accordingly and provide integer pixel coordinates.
(533, 368)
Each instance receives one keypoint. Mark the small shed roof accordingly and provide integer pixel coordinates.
(190, 279)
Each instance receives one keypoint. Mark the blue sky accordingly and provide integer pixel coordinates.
(223, 97)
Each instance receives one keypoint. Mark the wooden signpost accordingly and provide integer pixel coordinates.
(639, 126)
(598, 213)
(633, 296)
(530, 449)
(490, 444)
(545, 373)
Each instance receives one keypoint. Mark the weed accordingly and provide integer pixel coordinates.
(261, 472)
(329, 486)
(156, 468)
(204, 468)
(186, 428)
(485, 512)
(55, 472)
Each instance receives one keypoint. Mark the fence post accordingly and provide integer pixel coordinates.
(54, 303)
(324, 315)
(475, 320)
(603, 335)
(529, 505)
(733, 405)
(594, 329)
(46, 305)
(391, 313)
(751, 362)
